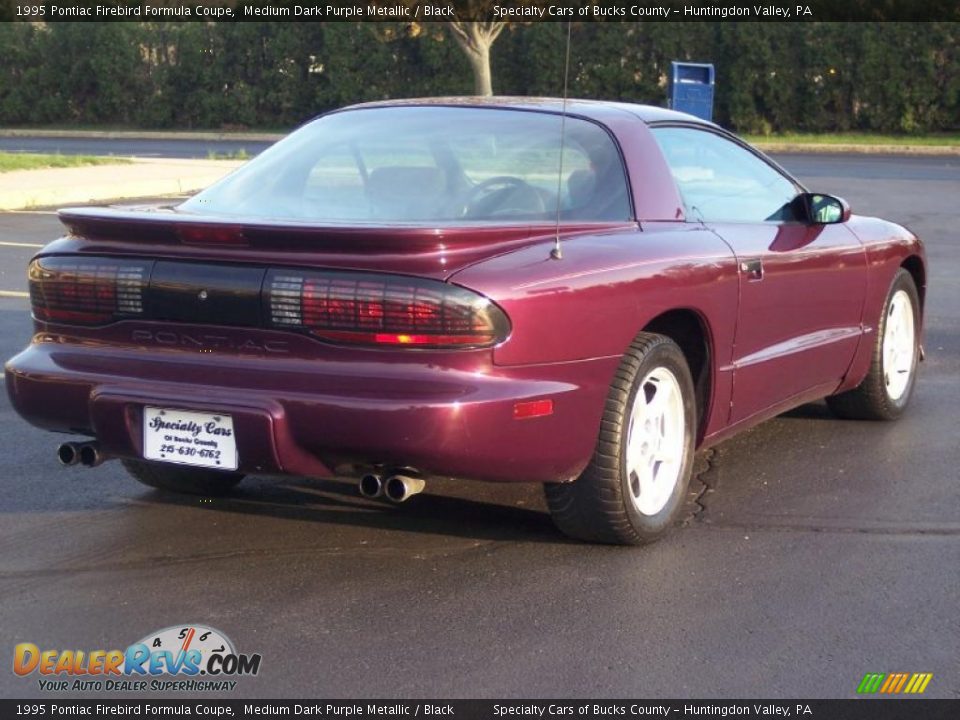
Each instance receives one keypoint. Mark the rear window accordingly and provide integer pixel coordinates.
(438, 165)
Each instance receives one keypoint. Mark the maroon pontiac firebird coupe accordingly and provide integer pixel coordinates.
(576, 294)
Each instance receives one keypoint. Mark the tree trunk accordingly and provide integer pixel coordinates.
(475, 39)
(480, 64)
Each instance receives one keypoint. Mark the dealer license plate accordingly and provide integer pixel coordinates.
(189, 438)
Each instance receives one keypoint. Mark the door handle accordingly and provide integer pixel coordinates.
(753, 269)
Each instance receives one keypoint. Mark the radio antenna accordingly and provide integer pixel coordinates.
(555, 253)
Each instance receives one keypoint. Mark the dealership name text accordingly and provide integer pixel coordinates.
(527, 12)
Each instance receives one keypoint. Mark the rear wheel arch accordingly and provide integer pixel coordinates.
(691, 331)
(634, 485)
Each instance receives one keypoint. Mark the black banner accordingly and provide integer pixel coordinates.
(860, 709)
(479, 10)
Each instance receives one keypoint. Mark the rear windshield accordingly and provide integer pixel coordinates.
(429, 165)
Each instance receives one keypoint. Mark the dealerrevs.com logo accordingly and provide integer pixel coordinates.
(187, 658)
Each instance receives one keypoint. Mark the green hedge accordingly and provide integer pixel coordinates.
(814, 77)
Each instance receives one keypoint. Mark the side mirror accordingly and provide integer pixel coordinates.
(826, 209)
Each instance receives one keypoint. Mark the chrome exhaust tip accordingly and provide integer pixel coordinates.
(371, 486)
(400, 488)
(68, 453)
(90, 455)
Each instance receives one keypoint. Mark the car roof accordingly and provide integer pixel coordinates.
(593, 109)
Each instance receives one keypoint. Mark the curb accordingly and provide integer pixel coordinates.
(854, 149)
(208, 135)
(141, 135)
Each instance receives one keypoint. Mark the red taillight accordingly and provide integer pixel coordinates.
(381, 309)
(211, 235)
(87, 291)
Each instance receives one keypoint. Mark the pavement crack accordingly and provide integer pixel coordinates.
(704, 481)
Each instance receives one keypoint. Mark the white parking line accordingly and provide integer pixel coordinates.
(13, 294)
(18, 244)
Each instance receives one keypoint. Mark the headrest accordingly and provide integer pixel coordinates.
(405, 192)
(581, 186)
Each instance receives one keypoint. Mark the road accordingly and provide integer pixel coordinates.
(854, 166)
(825, 549)
(131, 147)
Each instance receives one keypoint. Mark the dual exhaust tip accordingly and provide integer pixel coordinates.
(396, 488)
(87, 454)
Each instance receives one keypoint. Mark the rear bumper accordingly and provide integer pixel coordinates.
(307, 417)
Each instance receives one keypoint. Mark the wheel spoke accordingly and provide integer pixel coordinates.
(636, 439)
(664, 456)
(642, 479)
(657, 403)
(893, 322)
(634, 457)
(635, 484)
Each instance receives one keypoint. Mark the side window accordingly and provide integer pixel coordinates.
(722, 182)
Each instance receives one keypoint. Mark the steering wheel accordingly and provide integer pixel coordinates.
(502, 194)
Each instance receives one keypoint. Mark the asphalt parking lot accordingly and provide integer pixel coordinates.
(822, 550)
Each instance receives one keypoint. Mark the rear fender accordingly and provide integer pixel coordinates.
(605, 289)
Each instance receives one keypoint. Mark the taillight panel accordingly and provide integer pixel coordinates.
(376, 309)
(88, 291)
(381, 309)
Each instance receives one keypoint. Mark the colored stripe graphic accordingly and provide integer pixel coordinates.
(897, 685)
(903, 681)
(870, 683)
(894, 683)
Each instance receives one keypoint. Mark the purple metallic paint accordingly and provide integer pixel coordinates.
(801, 320)
(317, 406)
(306, 407)
(426, 251)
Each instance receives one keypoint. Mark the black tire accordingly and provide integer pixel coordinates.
(190, 481)
(870, 400)
(599, 506)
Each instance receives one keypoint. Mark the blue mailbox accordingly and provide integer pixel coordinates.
(691, 88)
